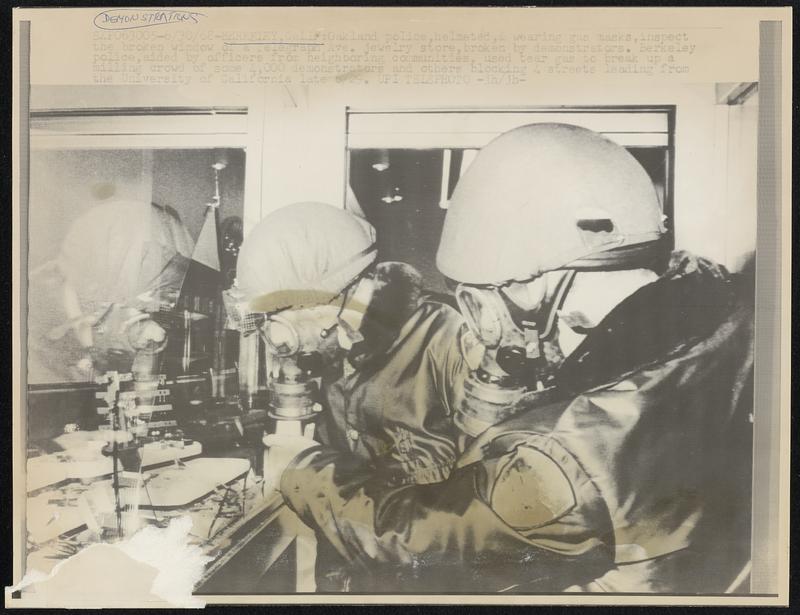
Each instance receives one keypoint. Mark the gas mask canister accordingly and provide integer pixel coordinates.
(506, 346)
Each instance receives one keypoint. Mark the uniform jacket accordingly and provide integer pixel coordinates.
(394, 412)
(634, 480)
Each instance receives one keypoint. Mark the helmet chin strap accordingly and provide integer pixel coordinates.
(559, 296)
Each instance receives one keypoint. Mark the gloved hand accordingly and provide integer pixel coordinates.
(682, 262)
(283, 448)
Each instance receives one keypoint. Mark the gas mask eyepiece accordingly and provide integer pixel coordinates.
(281, 336)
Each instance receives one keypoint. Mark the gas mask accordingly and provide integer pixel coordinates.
(357, 324)
(125, 339)
(300, 344)
(509, 345)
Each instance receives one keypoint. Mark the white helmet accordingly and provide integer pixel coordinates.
(543, 197)
(302, 254)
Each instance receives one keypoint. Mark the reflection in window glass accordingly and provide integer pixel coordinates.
(127, 260)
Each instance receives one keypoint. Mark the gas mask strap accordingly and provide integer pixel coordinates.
(346, 335)
(345, 295)
(350, 287)
(564, 284)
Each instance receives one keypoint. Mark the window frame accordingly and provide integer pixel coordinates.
(201, 127)
(466, 127)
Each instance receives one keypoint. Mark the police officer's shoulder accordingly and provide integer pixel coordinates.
(440, 312)
(529, 489)
(440, 299)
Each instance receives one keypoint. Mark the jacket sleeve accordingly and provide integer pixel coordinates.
(453, 372)
(450, 368)
(441, 525)
(339, 496)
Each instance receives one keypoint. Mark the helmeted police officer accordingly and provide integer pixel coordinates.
(606, 411)
(385, 356)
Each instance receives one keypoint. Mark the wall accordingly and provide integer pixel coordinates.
(741, 174)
